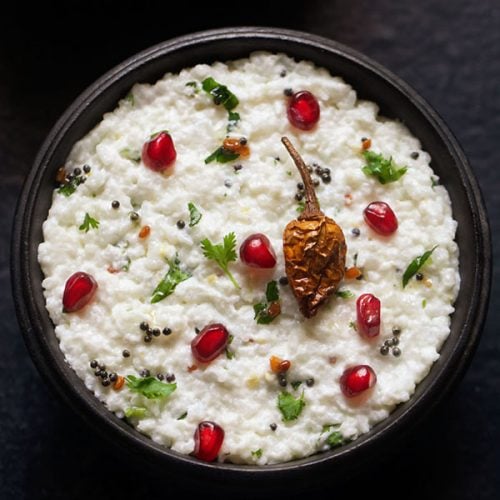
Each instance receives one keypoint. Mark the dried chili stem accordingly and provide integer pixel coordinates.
(311, 202)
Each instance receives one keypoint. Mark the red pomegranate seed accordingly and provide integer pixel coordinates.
(208, 439)
(78, 291)
(368, 315)
(380, 217)
(256, 251)
(356, 380)
(303, 110)
(159, 152)
(210, 342)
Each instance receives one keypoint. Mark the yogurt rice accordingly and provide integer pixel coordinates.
(138, 232)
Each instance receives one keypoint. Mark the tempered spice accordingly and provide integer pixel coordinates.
(314, 248)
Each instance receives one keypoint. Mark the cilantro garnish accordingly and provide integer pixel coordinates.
(150, 387)
(220, 93)
(222, 253)
(266, 311)
(257, 453)
(229, 353)
(183, 416)
(194, 214)
(222, 155)
(131, 154)
(173, 277)
(344, 294)
(69, 187)
(135, 411)
(301, 206)
(415, 265)
(296, 384)
(233, 119)
(88, 223)
(289, 406)
(385, 170)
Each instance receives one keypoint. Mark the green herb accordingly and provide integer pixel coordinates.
(434, 182)
(68, 188)
(222, 155)
(301, 206)
(289, 406)
(131, 154)
(233, 119)
(88, 223)
(289, 173)
(344, 294)
(355, 260)
(149, 387)
(296, 384)
(229, 353)
(353, 325)
(220, 93)
(424, 303)
(257, 453)
(415, 265)
(194, 214)
(335, 439)
(167, 285)
(385, 170)
(183, 416)
(222, 253)
(130, 98)
(263, 311)
(135, 411)
(126, 267)
(195, 86)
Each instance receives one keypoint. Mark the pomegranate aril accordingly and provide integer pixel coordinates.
(356, 380)
(159, 152)
(303, 110)
(257, 251)
(368, 315)
(208, 439)
(381, 218)
(210, 342)
(78, 292)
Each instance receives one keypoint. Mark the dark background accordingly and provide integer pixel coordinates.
(449, 51)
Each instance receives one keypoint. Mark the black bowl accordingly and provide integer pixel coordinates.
(373, 82)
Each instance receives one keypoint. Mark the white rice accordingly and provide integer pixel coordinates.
(240, 394)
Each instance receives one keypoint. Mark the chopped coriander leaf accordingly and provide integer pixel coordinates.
(183, 416)
(130, 98)
(385, 170)
(131, 154)
(265, 312)
(88, 223)
(434, 182)
(233, 119)
(126, 267)
(344, 294)
(220, 93)
(222, 155)
(229, 353)
(149, 387)
(289, 406)
(194, 214)
(301, 207)
(424, 303)
(335, 439)
(296, 384)
(135, 412)
(415, 265)
(167, 285)
(353, 325)
(222, 253)
(68, 188)
(328, 427)
(194, 85)
(257, 453)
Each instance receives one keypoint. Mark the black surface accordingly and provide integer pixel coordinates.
(448, 51)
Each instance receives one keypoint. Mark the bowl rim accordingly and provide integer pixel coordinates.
(94, 412)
